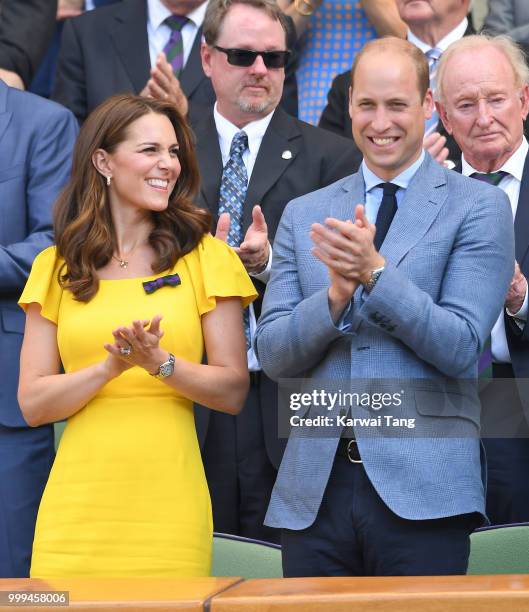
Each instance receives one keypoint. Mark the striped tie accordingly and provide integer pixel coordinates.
(433, 56)
(492, 178)
(174, 49)
(233, 186)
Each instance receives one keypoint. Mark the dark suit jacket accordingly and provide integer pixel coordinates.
(317, 159)
(518, 339)
(335, 116)
(26, 29)
(36, 142)
(106, 51)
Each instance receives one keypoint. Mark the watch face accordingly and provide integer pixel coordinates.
(166, 369)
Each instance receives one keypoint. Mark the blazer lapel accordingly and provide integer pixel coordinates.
(278, 149)
(129, 36)
(521, 220)
(209, 162)
(5, 115)
(343, 207)
(421, 204)
(192, 74)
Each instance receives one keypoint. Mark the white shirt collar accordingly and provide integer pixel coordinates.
(445, 42)
(514, 165)
(158, 13)
(255, 130)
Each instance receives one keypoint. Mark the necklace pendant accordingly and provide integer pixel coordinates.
(123, 263)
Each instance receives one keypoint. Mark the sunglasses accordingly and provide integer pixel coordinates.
(245, 57)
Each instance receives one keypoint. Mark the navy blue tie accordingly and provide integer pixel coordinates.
(386, 212)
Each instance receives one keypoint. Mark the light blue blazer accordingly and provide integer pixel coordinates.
(449, 259)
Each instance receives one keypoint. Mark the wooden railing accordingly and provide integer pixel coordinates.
(498, 593)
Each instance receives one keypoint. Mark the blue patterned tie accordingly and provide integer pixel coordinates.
(233, 186)
(433, 56)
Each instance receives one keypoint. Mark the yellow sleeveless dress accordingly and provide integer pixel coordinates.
(127, 495)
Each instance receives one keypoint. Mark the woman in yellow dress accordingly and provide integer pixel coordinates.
(127, 302)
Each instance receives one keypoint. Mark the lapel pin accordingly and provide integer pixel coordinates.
(286, 154)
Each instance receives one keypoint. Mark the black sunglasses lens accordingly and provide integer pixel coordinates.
(241, 57)
(275, 59)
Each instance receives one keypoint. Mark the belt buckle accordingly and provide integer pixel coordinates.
(350, 451)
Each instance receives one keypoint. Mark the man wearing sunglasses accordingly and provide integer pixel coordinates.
(253, 159)
(148, 47)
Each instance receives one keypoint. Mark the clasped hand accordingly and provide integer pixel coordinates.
(164, 85)
(254, 250)
(348, 251)
(137, 345)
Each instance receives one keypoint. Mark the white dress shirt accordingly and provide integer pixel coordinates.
(455, 34)
(511, 186)
(159, 33)
(255, 132)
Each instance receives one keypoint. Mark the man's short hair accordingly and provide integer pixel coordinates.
(217, 10)
(397, 45)
(511, 51)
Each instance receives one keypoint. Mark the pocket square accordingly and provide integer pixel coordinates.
(171, 280)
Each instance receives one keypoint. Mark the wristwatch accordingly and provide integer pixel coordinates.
(166, 368)
(375, 275)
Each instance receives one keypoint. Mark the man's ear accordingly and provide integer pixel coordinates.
(102, 162)
(428, 104)
(205, 55)
(350, 102)
(441, 109)
(524, 96)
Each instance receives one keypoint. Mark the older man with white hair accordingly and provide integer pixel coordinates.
(483, 97)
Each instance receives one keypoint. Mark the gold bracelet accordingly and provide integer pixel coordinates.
(303, 7)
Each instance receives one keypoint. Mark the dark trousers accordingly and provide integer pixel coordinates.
(239, 473)
(507, 457)
(26, 457)
(356, 534)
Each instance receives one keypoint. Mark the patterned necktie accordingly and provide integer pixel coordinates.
(492, 178)
(433, 56)
(386, 212)
(485, 359)
(233, 186)
(174, 49)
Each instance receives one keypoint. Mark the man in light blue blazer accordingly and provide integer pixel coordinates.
(36, 142)
(396, 294)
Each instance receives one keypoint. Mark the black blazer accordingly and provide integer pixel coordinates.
(106, 51)
(518, 339)
(26, 29)
(315, 159)
(335, 116)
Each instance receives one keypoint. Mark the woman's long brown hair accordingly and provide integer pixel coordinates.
(84, 232)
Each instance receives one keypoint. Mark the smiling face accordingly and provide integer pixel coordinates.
(483, 107)
(387, 112)
(144, 167)
(249, 93)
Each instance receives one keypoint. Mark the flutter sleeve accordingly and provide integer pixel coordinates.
(42, 286)
(217, 271)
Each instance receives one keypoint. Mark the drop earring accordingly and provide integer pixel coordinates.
(108, 180)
